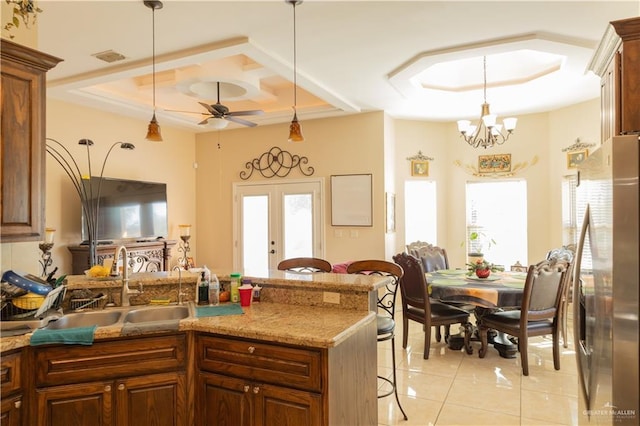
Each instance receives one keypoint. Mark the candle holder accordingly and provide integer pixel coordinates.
(45, 258)
(185, 249)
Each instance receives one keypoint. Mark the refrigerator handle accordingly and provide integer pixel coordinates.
(577, 317)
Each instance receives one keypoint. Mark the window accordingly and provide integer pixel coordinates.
(573, 209)
(420, 211)
(497, 212)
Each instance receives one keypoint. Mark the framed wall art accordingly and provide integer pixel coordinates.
(351, 200)
(419, 168)
(576, 157)
(497, 163)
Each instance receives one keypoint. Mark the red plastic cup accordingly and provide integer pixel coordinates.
(246, 292)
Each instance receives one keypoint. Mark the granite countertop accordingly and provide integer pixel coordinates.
(290, 316)
(321, 327)
(320, 280)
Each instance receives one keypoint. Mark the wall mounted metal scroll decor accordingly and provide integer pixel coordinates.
(577, 153)
(276, 162)
(420, 164)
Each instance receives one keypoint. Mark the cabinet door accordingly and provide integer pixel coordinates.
(11, 411)
(84, 404)
(279, 406)
(151, 400)
(22, 140)
(224, 401)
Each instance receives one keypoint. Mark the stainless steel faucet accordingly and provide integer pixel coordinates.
(126, 291)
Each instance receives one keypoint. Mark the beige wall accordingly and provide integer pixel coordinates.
(170, 161)
(345, 145)
(362, 143)
(540, 136)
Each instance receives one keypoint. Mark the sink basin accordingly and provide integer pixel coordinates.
(157, 314)
(85, 319)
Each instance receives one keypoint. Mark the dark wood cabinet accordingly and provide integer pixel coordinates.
(251, 382)
(617, 61)
(147, 256)
(125, 382)
(11, 393)
(228, 401)
(22, 139)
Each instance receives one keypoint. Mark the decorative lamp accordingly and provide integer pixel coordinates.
(82, 183)
(45, 247)
(153, 132)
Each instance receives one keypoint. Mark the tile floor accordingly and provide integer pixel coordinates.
(453, 388)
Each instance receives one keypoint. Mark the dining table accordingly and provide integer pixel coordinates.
(499, 291)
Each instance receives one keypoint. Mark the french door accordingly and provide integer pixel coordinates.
(273, 222)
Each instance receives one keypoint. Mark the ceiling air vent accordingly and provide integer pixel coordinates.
(109, 56)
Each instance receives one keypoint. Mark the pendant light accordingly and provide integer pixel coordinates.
(153, 133)
(295, 132)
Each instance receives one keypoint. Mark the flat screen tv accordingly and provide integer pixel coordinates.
(128, 209)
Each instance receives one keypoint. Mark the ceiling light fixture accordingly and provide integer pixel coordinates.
(295, 132)
(486, 133)
(153, 133)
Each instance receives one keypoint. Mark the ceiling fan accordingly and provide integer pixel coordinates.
(221, 112)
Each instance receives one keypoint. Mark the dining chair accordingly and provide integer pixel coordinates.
(304, 264)
(412, 247)
(518, 267)
(418, 307)
(386, 310)
(433, 258)
(538, 314)
(567, 254)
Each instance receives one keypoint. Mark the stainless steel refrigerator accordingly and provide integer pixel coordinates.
(605, 295)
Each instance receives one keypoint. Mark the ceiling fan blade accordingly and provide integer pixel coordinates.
(187, 112)
(209, 108)
(240, 121)
(248, 112)
(205, 121)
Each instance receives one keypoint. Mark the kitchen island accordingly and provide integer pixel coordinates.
(292, 358)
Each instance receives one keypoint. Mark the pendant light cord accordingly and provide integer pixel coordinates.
(484, 58)
(153, 57)
(295, 80)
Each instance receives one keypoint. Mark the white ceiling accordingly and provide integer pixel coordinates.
(413, 59)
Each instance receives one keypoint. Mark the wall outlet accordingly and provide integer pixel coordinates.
(331, 297)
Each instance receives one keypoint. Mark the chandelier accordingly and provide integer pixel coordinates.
(486, 133)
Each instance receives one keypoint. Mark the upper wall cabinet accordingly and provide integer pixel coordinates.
(22, 141)
(617, 61)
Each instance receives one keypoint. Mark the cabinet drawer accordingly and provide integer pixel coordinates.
(10, 380)
(261, 362)
(107, 360)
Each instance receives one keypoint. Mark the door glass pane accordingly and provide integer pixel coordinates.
(255, 233)
(420, 211)
(298, 225)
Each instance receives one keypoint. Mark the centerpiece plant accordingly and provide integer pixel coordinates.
(482, 269)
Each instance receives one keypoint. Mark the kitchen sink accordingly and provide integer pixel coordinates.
(157, 314)
(85, 319)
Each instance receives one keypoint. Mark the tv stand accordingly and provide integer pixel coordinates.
(147, 256)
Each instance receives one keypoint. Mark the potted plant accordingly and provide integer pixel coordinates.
(476, 240)
(482, 269)
(23, 10)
